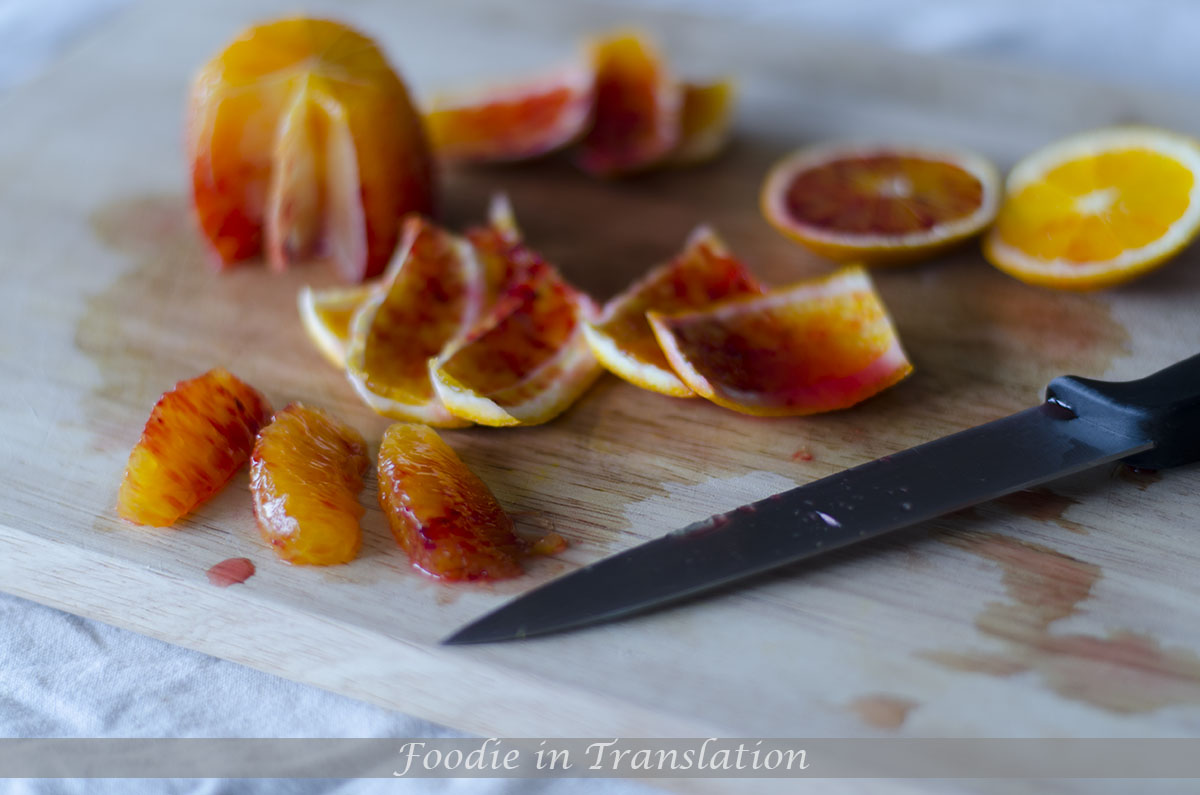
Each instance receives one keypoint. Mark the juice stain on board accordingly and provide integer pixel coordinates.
(1123, 672)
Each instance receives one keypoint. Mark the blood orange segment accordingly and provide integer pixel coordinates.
(815, 346)
(302, 138)
(305, 475)
(514, 121)
(880, 204)
(527, 360)
(442, 515)
(702, 274)
(326, 315)
(1097, 209)
(636, 119)
(431, 296)
(705, 118)
(198, 435)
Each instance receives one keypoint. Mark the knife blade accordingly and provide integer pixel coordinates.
(1153, 422)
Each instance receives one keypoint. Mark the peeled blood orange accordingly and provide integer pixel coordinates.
(198, 435)
(880, 204)
(305, 475)
(513, 121)
(815, 346)
(702, 274)
(526, 361)
(432, 295)
(636, 120)
(441, 514)
(302, 141)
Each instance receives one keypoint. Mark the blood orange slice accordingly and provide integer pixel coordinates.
(440, 512)
(513, 121)
(704, 121)
(636, 119)
(527, 360)
(880, 204)
(815, 346)
(198, 435)
(702, 274)
(305, 475)
(430, 296)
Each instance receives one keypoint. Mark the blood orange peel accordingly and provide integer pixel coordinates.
(621, 338)
(880, 203)
(513, 121)
(705, 119)
(326, 315)
(812, 347)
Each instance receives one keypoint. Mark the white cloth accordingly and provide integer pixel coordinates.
(61, 675)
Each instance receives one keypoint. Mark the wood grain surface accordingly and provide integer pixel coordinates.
(1073, 611)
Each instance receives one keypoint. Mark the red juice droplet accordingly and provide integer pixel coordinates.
(231, 572)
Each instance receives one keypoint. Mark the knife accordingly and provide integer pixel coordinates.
(1152, 423)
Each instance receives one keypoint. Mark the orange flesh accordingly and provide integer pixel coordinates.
(1141, 193)
(337, 320)
(355, 152)
(524, 124)
(636, 116)
(442, 515)
(788, 358)
(883, 194)
(526, 328)
(305, 476)
(699, 276)
(423, 311)
(704, 119)
(198, 435)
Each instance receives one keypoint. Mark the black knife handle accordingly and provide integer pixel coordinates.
(1163, 408)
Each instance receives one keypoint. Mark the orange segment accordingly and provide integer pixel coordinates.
(302, 137)
(880, 204)
(442, 515)
(815, 346)
(326, 315)
(515, 121)
(305, 475)
(636, 118)
(430, 297)
(1098, 209)
(704, 121)
(198, 435)
(702, 274)
(527, 360)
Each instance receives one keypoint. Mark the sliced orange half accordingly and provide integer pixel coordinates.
(527, 361)
(1098, 209)
(326, 315)
(621, 338)
(635, 123)
(816, 346)
(513, 121)
(430, 296)
(880, 204)
(704, 121)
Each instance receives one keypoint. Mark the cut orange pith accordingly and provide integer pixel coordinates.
(431, 295)
(440, 513)
(880, 204)
(305, 476)
(1098, 209)
(704, 121)
(815, 346)
(621, 338)
(303, 142)
(636, 119)
(198, 435)
(527, 360)
(513, 121)
(326, 315)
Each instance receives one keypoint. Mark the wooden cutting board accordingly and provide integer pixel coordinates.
(1071, 611)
